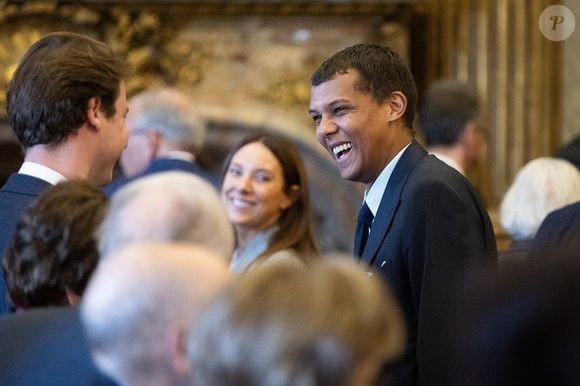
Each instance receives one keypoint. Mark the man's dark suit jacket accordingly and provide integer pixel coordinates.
(559, 235)
(15, 196)
(46, 347)
(157, 166)
(430, 226)
(570, 152)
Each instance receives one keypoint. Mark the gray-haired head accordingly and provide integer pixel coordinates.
(170, 206)
(327, 324)
(169, 112)
(540, 187)
(139, 306)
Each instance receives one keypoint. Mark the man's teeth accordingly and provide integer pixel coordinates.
(343, 147)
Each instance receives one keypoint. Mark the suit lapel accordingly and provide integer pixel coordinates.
(391, 199)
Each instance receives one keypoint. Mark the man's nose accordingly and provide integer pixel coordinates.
(326, 127)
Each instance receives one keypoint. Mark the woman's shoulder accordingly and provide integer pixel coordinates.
(287, 255)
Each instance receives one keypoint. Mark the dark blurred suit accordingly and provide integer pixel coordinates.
(559, 235)
(15, 196)
(570, 152)
(157, 166)
(430, 227)
(46, 347)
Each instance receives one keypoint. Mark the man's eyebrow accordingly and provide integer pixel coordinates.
(331, 104)
(337, 101)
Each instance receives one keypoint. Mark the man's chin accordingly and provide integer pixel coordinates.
(348, 175)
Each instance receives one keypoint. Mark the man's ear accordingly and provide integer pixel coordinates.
(176, 346)
(397, 102)
(72, 297)
(93, 110)
(154, 140)
(472, 139)
(469, 131)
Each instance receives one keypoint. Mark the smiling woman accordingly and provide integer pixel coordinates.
(266, 196)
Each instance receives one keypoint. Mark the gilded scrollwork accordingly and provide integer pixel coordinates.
(286, 88)
(230, 55)
(157, 53)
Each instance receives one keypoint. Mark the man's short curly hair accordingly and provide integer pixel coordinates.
(54, 247)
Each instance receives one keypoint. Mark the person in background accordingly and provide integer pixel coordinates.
(54, 251)
(449, 121)
(165, 131)
(326, 324)
(167, 207)
(422, 224)
(540, 187)
(66, 104)
(265, 193)
(139, 306)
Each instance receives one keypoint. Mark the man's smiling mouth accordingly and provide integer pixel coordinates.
(341, 149)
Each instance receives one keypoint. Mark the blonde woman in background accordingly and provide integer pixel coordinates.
(540, 187)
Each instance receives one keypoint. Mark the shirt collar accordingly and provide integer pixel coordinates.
(374, 195)
(257, 245)
(42, 172)
(449, 161)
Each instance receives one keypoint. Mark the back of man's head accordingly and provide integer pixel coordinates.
(327, 324)
(48, 96)
(139, 305)
(171, 206)
(447, 108)
(169, 112)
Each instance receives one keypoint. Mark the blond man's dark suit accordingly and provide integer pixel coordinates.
(429, 228)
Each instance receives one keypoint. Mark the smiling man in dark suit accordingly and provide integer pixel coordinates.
(427, 223)
(67, 105)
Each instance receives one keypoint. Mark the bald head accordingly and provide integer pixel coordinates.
(138, 302)
(167, 207)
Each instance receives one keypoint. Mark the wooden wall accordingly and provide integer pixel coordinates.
(497, 46)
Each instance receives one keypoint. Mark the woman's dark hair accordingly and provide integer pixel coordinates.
(295, 223)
